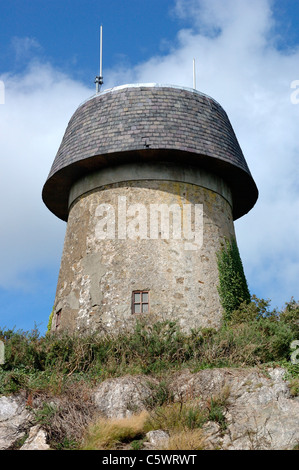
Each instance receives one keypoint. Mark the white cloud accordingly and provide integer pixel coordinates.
(24, 47)
(38, 105)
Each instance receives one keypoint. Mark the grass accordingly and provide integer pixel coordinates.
(176, 417)
(183, 421)
(66, 367)
(294, 387)
(192, 439)
(107, 434)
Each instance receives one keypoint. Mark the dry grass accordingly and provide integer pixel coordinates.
(71, 421)
(177, 417)
(192, 439)
(110, 433)
(66, 417)
(182, 420)
(294, 387)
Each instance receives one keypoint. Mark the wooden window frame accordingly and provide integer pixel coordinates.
(140, 303)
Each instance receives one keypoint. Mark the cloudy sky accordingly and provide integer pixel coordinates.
(247, 58)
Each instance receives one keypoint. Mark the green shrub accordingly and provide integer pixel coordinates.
(253, 310)
(290, 315)
(254, 334)
(268, 332)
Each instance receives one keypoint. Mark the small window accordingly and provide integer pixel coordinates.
(58, 319)
(140, 301)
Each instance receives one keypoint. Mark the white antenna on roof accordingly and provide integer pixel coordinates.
(99, 79)
(194, 75)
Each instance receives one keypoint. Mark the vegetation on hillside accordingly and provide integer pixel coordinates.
(68, 366)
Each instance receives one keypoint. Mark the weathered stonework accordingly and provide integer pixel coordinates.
(134, 147)
(97, 277)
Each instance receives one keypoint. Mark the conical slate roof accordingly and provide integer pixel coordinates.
(149, 123)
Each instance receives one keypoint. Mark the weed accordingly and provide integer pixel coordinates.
(137, 444)
(160, 395)
(216, 414)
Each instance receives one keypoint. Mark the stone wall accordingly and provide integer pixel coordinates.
(97, 276)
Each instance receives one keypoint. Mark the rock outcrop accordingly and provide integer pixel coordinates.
(123, 396)
(15, 420)
(36, 440)
(260, 412)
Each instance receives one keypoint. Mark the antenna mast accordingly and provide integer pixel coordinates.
(194, 75)
(99, 79)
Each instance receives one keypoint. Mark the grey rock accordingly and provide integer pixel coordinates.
(123, 396)
(264, 416)
(158, 438)
(8, 408)
(260, 412)
(213, 435)
(36, 440)
(14, 420)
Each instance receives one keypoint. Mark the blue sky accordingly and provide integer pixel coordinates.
(247, 56)
(66, 32)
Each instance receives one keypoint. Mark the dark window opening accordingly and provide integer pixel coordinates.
(58, 319)
(140, 301)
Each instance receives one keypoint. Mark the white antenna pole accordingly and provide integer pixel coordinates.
(99, 79)
(101, 51)
(194, 75)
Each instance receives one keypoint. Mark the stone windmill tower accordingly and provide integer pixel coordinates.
(149, 179)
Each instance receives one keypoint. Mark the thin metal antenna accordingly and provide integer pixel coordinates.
(194, 75)
(99, 78)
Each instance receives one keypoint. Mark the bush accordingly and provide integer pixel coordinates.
(254, 334)
(270, 333)
(290, 315)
